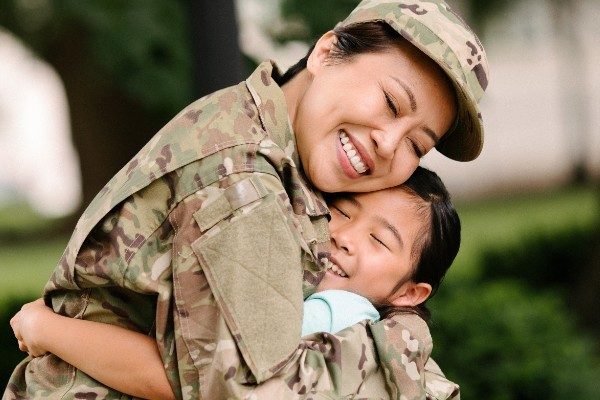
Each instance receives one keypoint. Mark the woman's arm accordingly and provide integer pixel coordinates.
(125, 360)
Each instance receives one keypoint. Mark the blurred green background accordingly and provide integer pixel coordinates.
(517, 315)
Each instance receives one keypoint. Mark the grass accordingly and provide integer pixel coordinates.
(26, 267)
(19, 218)
(503, 222)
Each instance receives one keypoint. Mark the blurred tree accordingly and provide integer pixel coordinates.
(209, 23)
(127, 67)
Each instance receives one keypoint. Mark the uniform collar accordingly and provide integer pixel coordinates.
(272, 107)
(274, 116)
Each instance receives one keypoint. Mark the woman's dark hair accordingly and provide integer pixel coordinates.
(438, 244)
(354, 39)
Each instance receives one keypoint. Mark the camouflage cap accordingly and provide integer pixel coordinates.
(437, 31)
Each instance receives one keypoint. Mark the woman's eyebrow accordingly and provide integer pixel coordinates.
(409, 93)
(413, 106)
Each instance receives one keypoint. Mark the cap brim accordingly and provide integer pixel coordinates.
(464, 141)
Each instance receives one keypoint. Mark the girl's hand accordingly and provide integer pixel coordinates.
(28, 324)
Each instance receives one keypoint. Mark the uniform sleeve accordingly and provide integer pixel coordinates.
(132, 238)
(366, 360)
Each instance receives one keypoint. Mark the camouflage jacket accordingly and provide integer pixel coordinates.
(202, 240)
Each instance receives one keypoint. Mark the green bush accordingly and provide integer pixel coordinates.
(513, 330)
(565, 261)
(554, 259)
(10, 354)
(500, 340)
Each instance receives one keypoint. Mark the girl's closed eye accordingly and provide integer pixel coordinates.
(379, 241)
(339, 211)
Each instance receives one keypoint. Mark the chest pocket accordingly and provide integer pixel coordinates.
(252, 262)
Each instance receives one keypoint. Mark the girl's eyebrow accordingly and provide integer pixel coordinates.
(388, 225)
(380, 220)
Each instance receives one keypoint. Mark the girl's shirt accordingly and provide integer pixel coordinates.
(335, 310)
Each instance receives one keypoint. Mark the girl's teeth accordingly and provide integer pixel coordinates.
(329, 265)
(345, 140)
(351, 153)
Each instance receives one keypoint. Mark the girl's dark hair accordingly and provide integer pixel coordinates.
(438, 244)
(354, 39)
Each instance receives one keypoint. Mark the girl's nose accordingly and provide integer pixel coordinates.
(340, 239)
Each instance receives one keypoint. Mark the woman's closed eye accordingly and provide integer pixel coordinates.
(391, 104)
(416, 148)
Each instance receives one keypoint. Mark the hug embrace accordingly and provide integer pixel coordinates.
(276, 239)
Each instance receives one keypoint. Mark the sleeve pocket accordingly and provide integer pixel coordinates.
(253, 266)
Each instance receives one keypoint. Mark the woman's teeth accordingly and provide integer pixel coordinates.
(329, 265)
(355, 160)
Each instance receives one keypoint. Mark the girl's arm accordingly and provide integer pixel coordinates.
(124, 360)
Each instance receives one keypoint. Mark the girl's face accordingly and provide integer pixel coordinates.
(363, 124)
(372, 240)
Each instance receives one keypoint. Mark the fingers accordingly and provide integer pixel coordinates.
(15, 325)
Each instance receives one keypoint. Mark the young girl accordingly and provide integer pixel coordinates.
(389, 252)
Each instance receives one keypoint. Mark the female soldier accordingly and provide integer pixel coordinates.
(198, 239)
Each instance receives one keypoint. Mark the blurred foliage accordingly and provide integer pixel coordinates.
(514, 319)
(315, 16)
(143, 44)
(503, 340)
(18, 219)
(26, 267)
(547, 256)
(10, 355)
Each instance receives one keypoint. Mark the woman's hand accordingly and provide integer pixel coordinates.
(27, 325)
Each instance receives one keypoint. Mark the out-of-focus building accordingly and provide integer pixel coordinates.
(38, 162)
(541, 110)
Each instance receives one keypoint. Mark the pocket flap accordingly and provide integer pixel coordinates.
(253, 266)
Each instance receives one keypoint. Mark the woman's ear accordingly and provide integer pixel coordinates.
(410, 294)
(320, 54)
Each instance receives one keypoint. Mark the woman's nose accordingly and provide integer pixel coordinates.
(386, 141)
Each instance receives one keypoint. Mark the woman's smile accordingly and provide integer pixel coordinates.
(352, 156)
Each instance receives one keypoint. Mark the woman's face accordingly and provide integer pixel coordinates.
(363, 124)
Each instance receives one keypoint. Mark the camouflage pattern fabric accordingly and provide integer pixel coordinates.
(202, 240)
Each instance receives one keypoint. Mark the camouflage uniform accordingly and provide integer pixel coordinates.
(181, 242)
(202, 240)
